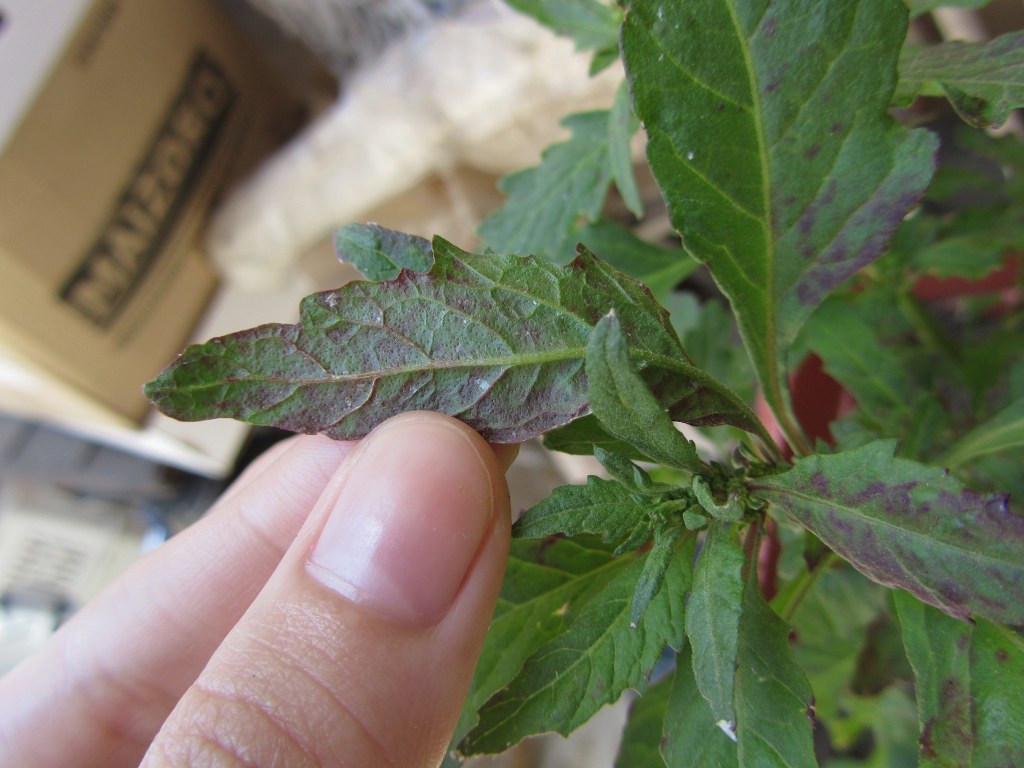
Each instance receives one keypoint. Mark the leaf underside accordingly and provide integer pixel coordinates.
(496, 341)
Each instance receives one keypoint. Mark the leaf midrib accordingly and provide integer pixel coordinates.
(869, 520)
(773, 384)
(329, 378)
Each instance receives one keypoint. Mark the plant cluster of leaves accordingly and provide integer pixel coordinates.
(853, 602)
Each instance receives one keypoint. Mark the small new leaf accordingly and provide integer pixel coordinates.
(907, 525)
(655, 567)
(713, 619)
(379, 253)
(626, 472)
(624, 405)
(601, 507)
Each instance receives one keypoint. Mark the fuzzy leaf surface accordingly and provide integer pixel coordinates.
(601, 507)
(773, 697)
(770, 138)
(713, 619)
(544, 203)
(379, 253)
(622, 402)
(582, 436)
(547, 582)
(496, 341)
(983, 81)
(600, 655)
(660, 269)
(911, 526)
(968, 684)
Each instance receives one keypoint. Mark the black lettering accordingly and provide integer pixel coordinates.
(149, 205)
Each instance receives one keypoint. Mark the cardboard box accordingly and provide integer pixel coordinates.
(127, 119)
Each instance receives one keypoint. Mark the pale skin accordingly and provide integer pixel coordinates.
(329, 611)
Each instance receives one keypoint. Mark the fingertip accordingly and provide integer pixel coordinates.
(417, 500)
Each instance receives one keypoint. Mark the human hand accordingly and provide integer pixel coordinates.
(329, 610)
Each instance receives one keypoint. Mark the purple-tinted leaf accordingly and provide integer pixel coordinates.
(967, 678)
(907, 525)
(497, 341)
(770, 138)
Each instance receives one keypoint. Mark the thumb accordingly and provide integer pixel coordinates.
(360, 648)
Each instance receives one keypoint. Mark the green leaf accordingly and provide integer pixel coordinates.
(830, 624)
(907, 525)
(1002, 432)
(713, 619)
(983, 81)
(544, 203)
(656, 566)
(971, 255)
(691, 736)
(592, 24)
(772, 701)
(968, 682)
(621, 127)
(773, 698)
(660, 269)
(625, 406)
(770, 138)
(547, 582)
(601, 507)
(841, 334)
(635, 478)
(641, 740)
(380, 254)
(497, 341)
(713, 343)
(567, 680)
(583, 436)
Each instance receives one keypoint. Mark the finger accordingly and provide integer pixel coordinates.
(112, 674)
(360, 649)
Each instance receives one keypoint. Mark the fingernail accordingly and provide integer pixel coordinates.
(412, 511)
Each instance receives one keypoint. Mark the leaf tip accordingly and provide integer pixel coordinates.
(728, 729)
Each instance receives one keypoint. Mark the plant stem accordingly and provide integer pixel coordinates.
(806, 581)
(778, 400)
(927, 329)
